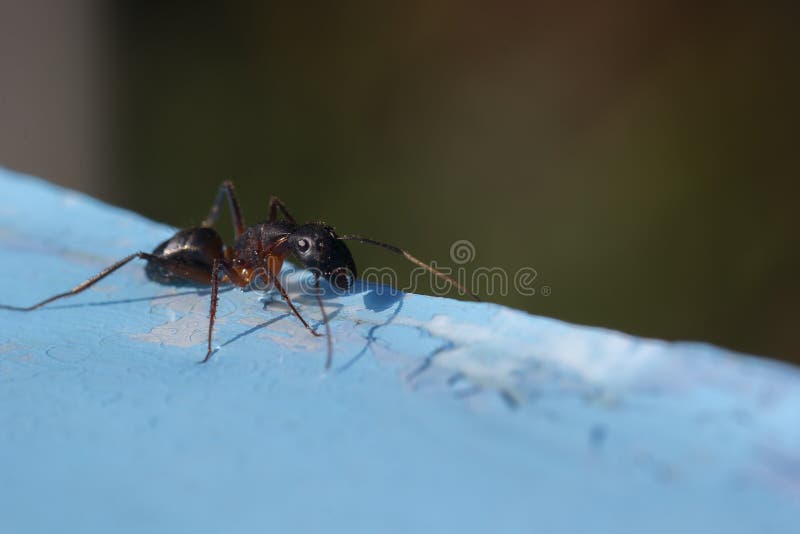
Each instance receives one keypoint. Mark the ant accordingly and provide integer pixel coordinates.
(199, 256)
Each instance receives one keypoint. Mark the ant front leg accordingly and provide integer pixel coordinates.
(289, 303)
(226, 191)
(276, 204)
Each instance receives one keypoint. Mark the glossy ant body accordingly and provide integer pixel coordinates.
(199, 256)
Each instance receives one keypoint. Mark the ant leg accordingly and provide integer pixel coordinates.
(285, 296)
(234, 277)
(325, 321)
(276, 204)
(194, 273)
(412, 259)
(212, 311)
(226, 190)
(85, 284)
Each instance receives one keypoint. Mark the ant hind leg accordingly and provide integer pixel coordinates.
(86, 284)
(179, 270)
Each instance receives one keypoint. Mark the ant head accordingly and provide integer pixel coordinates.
(317, 247)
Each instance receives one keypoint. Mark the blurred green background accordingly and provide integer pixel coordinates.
(641, 156)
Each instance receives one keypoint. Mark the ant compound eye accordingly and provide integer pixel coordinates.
(303, 245)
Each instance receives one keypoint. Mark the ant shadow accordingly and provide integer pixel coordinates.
(381, 298)
(377, 299)
(248, 332)
(274, 298)
(200, 291)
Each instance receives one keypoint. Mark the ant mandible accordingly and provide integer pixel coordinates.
(198, 255)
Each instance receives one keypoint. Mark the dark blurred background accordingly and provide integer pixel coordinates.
(641, 156)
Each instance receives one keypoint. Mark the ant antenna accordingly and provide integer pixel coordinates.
(412, 259)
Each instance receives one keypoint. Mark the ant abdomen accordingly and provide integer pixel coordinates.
(196, 248)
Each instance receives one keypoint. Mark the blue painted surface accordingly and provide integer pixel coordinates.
(438, 415)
